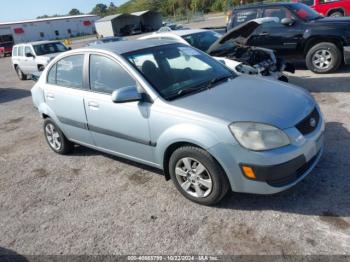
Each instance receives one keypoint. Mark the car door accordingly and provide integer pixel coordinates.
(277, 36)
(122, 128)
(64, 94)
(20, 57)
(29, 61)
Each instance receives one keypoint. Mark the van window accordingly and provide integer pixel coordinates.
(69, 71)
(20, 51)
(15, 51)
(107, 76)
(243, 16)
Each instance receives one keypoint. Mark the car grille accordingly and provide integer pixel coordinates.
(309, 123)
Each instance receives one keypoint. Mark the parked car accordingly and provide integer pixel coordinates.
(227, 49)
(329, 7)
(33, 57)
(6, 42)
(106, 40)
(324, 42)
(173, 107)
(2, 51)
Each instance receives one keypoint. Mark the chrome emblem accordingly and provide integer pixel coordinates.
(312, 122)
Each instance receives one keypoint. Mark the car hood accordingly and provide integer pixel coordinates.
(345, 21)
(49, 56)
(240, 34)
(256, 99)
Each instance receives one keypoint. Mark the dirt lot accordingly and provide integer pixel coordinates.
(91, 203)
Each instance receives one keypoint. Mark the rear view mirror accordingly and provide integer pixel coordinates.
(126, 94)
(287, 21)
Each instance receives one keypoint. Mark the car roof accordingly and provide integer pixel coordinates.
(123, 47)
(183, 32)
(38, 42)
(257, 5)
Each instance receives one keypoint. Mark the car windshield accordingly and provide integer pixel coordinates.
(176, 70)
(49, 48)
(202, 40)
(305, 12)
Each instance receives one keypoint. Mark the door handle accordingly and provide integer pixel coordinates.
(264, 34)
(93, 104)
(50, 96)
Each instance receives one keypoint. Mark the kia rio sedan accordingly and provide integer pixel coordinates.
(170, 106)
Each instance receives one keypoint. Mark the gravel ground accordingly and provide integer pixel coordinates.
(91, 203)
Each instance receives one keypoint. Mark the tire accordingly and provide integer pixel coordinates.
(20, 74)
(207, 187)
(56, 139)
(323, 58)
(336, 14)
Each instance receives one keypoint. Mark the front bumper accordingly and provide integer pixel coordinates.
(346, 52)
(276, 170)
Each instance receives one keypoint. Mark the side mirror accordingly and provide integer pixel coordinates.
(126, 94)
(29, 55)
(287, 21)
(69, 48)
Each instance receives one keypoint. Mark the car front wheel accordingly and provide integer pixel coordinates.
(323, 58)
(197, 175)
(56, 139)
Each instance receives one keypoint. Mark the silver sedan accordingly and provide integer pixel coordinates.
(173, 107)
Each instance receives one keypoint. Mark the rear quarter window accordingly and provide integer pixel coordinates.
(68, 72)
(243, 16)
(15, 51)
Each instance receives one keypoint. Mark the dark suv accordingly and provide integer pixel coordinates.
(324, 42)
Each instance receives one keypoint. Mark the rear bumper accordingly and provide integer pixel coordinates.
(346, 51)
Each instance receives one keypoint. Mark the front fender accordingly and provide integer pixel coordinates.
(184, 133)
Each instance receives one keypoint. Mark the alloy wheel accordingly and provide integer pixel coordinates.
(322, 59)
(193, 177)
(53, 137)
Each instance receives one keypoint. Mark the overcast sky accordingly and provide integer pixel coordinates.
(13, 10)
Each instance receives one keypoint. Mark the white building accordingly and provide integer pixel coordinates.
(120, 24)
(47, 28)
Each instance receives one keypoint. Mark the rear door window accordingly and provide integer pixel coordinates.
(69, 72)
(20, 51)
(243, 16)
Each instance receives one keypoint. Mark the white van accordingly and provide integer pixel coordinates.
(29, 58)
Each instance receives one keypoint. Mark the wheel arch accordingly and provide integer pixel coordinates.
(336, 9)
(316, 40)
(182, 135)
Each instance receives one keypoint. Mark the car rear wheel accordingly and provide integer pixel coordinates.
(336, 14)
(197, 175)
(56, 139)
(20, 74)
(324, 58)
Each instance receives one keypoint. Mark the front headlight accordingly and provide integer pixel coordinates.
(256, 136)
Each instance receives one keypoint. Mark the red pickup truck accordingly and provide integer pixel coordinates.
(329, 7)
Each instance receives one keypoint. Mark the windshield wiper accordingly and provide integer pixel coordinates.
(200, 87)
(217, 80)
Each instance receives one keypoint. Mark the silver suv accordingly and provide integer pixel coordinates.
(173, 107)
(33, 57)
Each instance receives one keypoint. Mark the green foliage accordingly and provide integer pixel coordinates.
(74, 11)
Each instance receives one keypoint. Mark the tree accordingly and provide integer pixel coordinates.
(100, 10)
(74, 11)
(112, 9)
